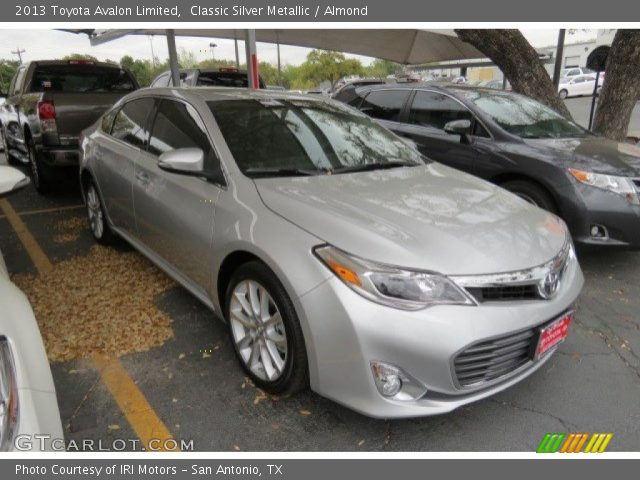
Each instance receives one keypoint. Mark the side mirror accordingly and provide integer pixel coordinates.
(458, 127)
(187, 161)
(11, 179)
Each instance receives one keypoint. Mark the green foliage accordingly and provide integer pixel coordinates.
(380, 68)
(80, 56)
(323, 65)
(7, 71)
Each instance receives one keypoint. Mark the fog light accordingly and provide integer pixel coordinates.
(393, 382)
(599, 232)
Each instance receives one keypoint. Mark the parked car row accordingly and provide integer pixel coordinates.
(348, 255)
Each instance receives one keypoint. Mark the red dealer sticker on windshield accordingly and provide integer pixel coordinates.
(553, 334)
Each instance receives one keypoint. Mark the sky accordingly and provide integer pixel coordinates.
(47, 44)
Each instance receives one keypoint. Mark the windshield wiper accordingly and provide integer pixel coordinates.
(366, 167)
(281, 172)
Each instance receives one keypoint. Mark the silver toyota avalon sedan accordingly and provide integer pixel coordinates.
(338, 256)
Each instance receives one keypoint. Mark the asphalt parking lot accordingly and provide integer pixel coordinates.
(192, 388)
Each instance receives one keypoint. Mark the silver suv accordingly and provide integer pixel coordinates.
(339, 257)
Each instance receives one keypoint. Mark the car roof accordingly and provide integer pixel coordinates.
(445, 87)
(228, 93)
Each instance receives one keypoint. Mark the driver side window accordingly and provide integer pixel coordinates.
(176, 125)
(435, 110)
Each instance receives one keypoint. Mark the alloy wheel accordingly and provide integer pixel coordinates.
(258, 330)
(94, 211)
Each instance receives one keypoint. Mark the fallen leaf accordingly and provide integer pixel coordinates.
(113, 427)
(305, 413)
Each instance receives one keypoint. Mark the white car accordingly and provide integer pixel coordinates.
(29, 415)
(579, 85)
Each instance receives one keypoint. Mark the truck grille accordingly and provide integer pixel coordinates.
(505, 293)
(492, 359)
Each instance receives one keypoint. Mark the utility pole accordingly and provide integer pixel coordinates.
(19, 51)
(235, 39)
(153, 55)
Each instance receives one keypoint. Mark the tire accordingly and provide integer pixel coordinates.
(40, 173)
(258, 349)
(531, 193)
(5, 146)
(563, 94)
(98, 224)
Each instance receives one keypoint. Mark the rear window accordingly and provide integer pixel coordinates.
(224, 79)
(81, 79)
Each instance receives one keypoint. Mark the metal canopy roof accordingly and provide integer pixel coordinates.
(404, 46)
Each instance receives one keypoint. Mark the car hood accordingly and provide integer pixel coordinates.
(428, 217)
(593, 154)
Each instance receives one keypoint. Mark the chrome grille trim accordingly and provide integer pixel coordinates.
(515, 285)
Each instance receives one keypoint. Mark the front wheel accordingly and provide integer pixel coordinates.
(532, 193)
(265, 330)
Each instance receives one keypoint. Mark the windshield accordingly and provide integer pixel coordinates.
(523, 116)
(81, 78)
(306, 136)
(224, 79)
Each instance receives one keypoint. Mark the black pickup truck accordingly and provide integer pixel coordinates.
(49, 103)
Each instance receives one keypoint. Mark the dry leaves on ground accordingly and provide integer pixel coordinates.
(69, 229)
(99, 303)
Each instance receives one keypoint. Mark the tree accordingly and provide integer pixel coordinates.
(621, 87)
(80, 56)
(324, 65)
(7, 71)
(380, 68)
(519, 62)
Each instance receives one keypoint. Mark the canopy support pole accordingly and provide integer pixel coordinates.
(235, 41)
(173, 57)
(252, 58)
(559, 54)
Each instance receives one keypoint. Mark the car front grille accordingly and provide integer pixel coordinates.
(492, 359)
(505, 293)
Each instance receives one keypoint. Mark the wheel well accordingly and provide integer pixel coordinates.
(85, 177)
(27, 134)
(509, 177)
(229, 265)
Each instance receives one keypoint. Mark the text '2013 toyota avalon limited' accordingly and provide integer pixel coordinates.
(339, 257)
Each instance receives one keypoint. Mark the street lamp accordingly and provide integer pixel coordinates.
(212, 46)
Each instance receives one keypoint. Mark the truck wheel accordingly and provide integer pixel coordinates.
(40, 173)
(5, 146)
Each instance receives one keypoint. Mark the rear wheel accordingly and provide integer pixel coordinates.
(531, 193)
(98, 224)
(5, 145)
(40, 173)
(563, 94)
(265, 331)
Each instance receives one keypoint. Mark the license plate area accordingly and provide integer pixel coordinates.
(553, 334)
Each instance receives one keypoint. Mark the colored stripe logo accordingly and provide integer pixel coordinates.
(574, 443)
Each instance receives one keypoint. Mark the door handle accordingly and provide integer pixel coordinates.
(142, 178)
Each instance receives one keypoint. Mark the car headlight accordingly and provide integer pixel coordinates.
(8, 396)
(620, 185)
(392, 286)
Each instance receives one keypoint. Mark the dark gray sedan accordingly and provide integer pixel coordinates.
(529, 149)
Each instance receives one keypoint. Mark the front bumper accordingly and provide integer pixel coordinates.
(347, 331)
(586, 207)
